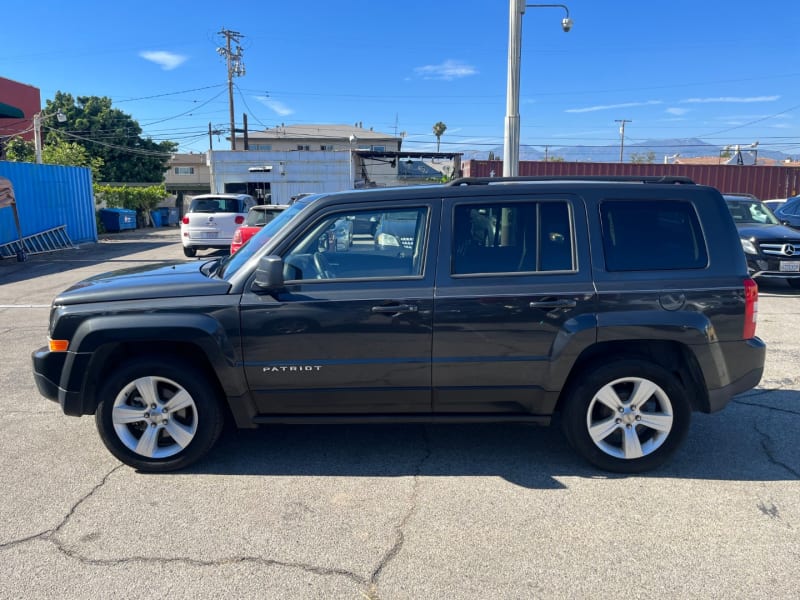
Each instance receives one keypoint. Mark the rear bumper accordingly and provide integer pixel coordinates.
(745, 368)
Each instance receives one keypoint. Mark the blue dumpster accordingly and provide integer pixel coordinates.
(156, 216)
(117, 219)
(169, 215)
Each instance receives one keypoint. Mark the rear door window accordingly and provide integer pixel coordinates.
(513, 237)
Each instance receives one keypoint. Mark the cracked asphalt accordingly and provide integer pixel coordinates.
(392, 511)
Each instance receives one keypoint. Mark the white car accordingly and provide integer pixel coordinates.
(212, 219)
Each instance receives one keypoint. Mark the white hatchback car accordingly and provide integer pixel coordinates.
(212, 220)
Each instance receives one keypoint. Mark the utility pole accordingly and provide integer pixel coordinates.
(622, 134)
(235, 67)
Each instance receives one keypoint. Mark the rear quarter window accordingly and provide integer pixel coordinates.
(645, 235)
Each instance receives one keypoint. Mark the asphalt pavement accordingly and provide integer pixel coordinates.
(390, 511)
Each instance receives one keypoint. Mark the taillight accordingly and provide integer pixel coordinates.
(185, 220)
(237, 236)
(750, 308)
(239, 220)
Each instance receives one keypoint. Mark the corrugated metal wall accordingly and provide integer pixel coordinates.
(763, 182)
(49, 196)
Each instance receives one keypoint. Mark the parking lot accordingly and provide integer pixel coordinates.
(389, 511)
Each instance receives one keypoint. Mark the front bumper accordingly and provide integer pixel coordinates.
(47, 367)
(769, 267)
(48, 371)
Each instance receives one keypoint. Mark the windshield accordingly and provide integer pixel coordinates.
(230, 264)
(751, 211)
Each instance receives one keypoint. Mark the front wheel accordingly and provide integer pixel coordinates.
(627, 416)
(158, 416)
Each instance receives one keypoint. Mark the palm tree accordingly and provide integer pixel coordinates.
(438, 131)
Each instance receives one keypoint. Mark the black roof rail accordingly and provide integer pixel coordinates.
(671, 179)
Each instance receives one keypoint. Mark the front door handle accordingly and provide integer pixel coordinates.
(559, 303)
(396, 308)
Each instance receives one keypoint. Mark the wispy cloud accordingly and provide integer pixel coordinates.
(731, 99)
(167, 60)
(278, 107)
(448, 70)
(678, 112)
(612, 106)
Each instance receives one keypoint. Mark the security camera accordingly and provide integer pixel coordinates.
(566, 24)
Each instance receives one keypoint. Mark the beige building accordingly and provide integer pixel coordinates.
(188, 173)
(318, 138)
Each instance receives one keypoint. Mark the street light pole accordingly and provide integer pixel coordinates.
(511, 139)
(37, 131)
(37, 136)
(511, 136)
(622, 135)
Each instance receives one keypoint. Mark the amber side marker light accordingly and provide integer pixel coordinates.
(59, 345)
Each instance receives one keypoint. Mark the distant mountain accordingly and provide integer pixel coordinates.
(685, 147)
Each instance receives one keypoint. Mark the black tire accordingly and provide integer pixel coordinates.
(794, 283)
(180, 426)
(189, 251)
(629, 438)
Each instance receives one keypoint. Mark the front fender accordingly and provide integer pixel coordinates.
(99, 336)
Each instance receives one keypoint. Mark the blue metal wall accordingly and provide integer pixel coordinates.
(49, 196)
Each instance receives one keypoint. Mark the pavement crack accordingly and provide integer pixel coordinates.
(772, 408)
(88, 495)
(71, 552)
(217, 562)
(35, 536)
(47, 534)
(765, 442)
(400, 529)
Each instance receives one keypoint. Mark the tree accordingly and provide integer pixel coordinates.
(438, 131)
(648, 158)
(56, 153)
(110, 135)
(18, 150)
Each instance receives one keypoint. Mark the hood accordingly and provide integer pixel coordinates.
(768, 231)
(170, 280)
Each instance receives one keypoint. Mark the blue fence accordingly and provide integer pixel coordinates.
(49, 196)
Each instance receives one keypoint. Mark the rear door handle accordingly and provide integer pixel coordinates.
(395, 308)
(560, 303)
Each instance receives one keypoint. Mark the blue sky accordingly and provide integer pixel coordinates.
(722, 71)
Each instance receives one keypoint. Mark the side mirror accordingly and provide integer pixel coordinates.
(269, 273)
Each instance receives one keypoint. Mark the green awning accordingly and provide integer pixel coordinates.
(10, 112)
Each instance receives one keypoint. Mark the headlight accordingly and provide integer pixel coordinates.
(748, 246)
(387, 239)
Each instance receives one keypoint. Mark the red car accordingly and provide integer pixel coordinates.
(257, 217)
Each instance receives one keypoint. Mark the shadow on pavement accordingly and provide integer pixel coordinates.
(734, 445)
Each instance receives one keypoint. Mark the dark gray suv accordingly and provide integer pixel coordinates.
(622, 305)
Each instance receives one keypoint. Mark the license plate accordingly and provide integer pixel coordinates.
(790, 266)
(206, 235)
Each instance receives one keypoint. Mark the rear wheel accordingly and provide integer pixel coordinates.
(628, 416)
(189, 251)
(157, 416)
